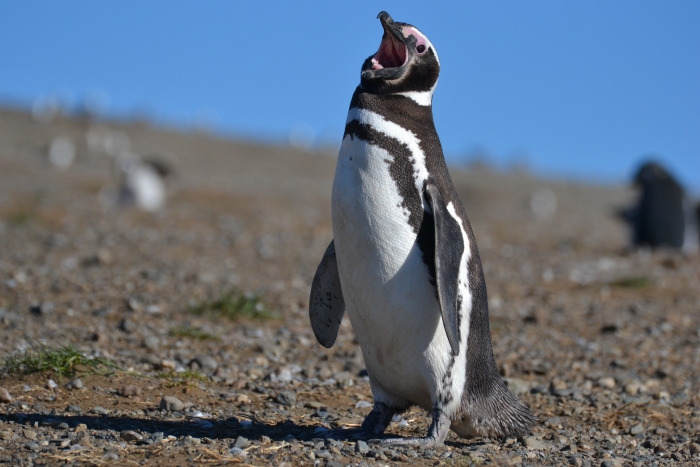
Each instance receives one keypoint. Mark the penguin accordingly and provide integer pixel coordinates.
(403, 261)
(663, 216)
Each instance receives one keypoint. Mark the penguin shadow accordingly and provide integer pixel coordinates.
(152, 430)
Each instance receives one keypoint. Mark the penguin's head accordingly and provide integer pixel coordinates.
(651, 172)
(406, 63)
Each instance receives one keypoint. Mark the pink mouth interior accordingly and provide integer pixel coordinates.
(391, 54)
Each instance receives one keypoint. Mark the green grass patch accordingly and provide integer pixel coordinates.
(234, 305)
(65, 360)
(638, 282)
(181, 379)
(194, 334)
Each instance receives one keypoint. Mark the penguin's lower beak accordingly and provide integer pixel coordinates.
(392, 53)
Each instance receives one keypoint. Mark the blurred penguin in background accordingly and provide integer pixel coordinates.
(664, 216)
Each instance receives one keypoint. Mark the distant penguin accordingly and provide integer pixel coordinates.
(663, 216)
(404, 262)
(139, 183)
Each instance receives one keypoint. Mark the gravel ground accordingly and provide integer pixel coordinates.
(602, 342)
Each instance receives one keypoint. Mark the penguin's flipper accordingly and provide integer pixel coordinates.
(449, 248)
(326, 303)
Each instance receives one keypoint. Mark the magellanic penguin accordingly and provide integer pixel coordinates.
(664, 216)
(403, 261)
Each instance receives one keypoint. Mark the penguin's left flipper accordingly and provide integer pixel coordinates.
(326, 303)
(449, 248)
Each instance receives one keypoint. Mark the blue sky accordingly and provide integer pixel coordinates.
(581, 90)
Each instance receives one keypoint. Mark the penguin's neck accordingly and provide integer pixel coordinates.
(395, 107)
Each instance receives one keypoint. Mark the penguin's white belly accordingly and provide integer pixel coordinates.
(390, 299)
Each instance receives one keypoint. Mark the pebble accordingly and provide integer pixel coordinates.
(171, 404)
(29, 434)
(606, 382)
(575, 461)
(74, 408)
(237, 452)
(127, 325)
(287, 398)
(205, 362)
(361, 447)
(5, 396)
(694, 448)
(130, 391)
(241, 442)
(130, 435)
(32, 446)
(534, 443)
(363, 405)
(100, 410)
(637, 429)
(151, 342)
(75, 384)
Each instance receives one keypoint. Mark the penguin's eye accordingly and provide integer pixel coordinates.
(420, 49)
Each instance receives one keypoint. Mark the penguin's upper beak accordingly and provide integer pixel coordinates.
(393, 51)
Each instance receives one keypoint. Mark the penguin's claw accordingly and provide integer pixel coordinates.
(437, 434)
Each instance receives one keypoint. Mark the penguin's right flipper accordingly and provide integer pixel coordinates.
(326, 303)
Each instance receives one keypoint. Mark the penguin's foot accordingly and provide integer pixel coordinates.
(437, 433)
(374, 424)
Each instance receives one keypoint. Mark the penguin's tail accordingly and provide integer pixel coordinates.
(494, 412)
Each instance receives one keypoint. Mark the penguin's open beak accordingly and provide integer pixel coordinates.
(393, 52)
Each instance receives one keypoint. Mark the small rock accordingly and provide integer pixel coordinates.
(171, 404)
(610, 463)
(51, 384)
(151, 342)
(75, 384)
(606, 382)
(110, 456)
(534, 443)
(241, 442)
(237, 452)
(42, 309)
(694, 448)
(361, 447)
(637, 429)
(130, 435)
(29, 434)
(130, 391)
(287, 398)
(632, 387)
(100, 410)
(127, 325)
(82, 439)
(310, 455)
(32, 446)
(363, 405)
(73, 408)
(5, 396)
(576, 461)
(205, 362)
(80, 428)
